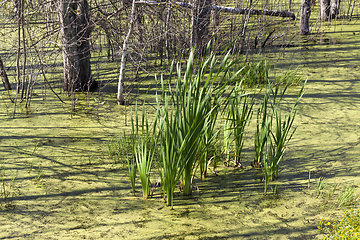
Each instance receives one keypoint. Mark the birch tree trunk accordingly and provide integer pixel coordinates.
(324, 9)
(329, 9)
(120, 95)
(334, 8)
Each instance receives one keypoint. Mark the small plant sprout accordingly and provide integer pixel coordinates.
(320, 186)
(347, 197)
(40, 174)
(7, 191)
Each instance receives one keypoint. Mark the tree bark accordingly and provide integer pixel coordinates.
(305, 12)
(83, 46)
(16, 7)
(4, 77)
(352, 10)
(324, 9)
(215, 20)
(120, 98)
(75, 35)
(334, 8)
(329, 9)
(200, 25)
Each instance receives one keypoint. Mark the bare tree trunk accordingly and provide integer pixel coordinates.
(329, 9)
(334, 8)
(16, 7)
(120, 97)
(69, 44)
(324, 9)
(75, 35)
(83, 46)
(194, 16)
(215, 14)
(18, 53)
(24, 55)
(305, 12)
(201, 13)
(167, 27)
(4, 77)
(352, 10)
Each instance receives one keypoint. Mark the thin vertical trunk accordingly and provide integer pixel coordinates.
(120, 97)
(204, 22)
(24, 57)
(167, 27)
(214, 14)
(20, 2)
(305, 17)
(4, 77)
(352, 10)
(201, 13)
(194, 22)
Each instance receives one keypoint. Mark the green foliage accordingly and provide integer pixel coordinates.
(347, 197)
(189, 114)
(347, 228)
(240, 105)
(125, 146)
(185, 132)
(144, 148)
(272, 129)
(253, 74)
(7, 191)
(320, 186)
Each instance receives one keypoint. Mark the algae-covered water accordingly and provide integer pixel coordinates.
(61, 184)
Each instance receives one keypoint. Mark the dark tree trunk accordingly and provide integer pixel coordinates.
(75, 34)
(215, 20)
(83, 46)
(4, 77)
(200, 25)
(305, 12)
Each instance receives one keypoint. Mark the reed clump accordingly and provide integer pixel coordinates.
(198, 105)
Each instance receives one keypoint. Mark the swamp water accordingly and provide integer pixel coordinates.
(66, 188)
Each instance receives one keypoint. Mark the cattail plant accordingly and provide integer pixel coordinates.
(187, 116)
(144, 148)
(281, 132)
(241, 105)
